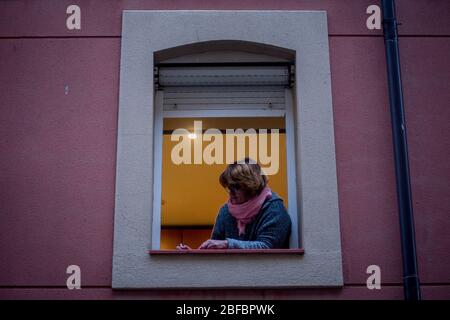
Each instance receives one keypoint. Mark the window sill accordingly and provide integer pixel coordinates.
(226, 251)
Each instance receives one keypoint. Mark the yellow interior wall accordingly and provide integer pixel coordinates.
(170, 238)
(192, 194)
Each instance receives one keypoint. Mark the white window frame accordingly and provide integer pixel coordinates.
(305, 33)
(291, 175)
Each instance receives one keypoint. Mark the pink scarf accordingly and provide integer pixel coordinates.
(246, 212)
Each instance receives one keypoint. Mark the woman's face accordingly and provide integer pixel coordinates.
(237, 195)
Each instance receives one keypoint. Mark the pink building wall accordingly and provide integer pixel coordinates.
(58, 126)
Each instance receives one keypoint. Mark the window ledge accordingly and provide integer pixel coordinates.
(226, 251)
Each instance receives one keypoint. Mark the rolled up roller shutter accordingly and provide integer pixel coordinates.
(216, 88)
(224, 75)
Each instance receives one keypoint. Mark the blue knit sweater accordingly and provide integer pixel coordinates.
(270, 229)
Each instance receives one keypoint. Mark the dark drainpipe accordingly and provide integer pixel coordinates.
(410, 274)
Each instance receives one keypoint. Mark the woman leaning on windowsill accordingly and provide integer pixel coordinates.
(253, 218)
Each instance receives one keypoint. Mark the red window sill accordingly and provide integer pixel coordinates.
(226, 251)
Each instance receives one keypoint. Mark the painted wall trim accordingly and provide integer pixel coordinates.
(305, 32)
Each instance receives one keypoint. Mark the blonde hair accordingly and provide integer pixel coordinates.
(245, 175)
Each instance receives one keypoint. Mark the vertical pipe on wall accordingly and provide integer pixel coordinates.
(410, 273)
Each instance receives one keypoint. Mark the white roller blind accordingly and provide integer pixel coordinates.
(223, 90)
(224, 98)
(223, 75)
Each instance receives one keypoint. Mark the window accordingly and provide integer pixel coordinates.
(252, 99)
(299, 36)
(191, 194)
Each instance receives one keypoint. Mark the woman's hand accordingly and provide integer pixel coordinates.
(214, 244)
(183, 247)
